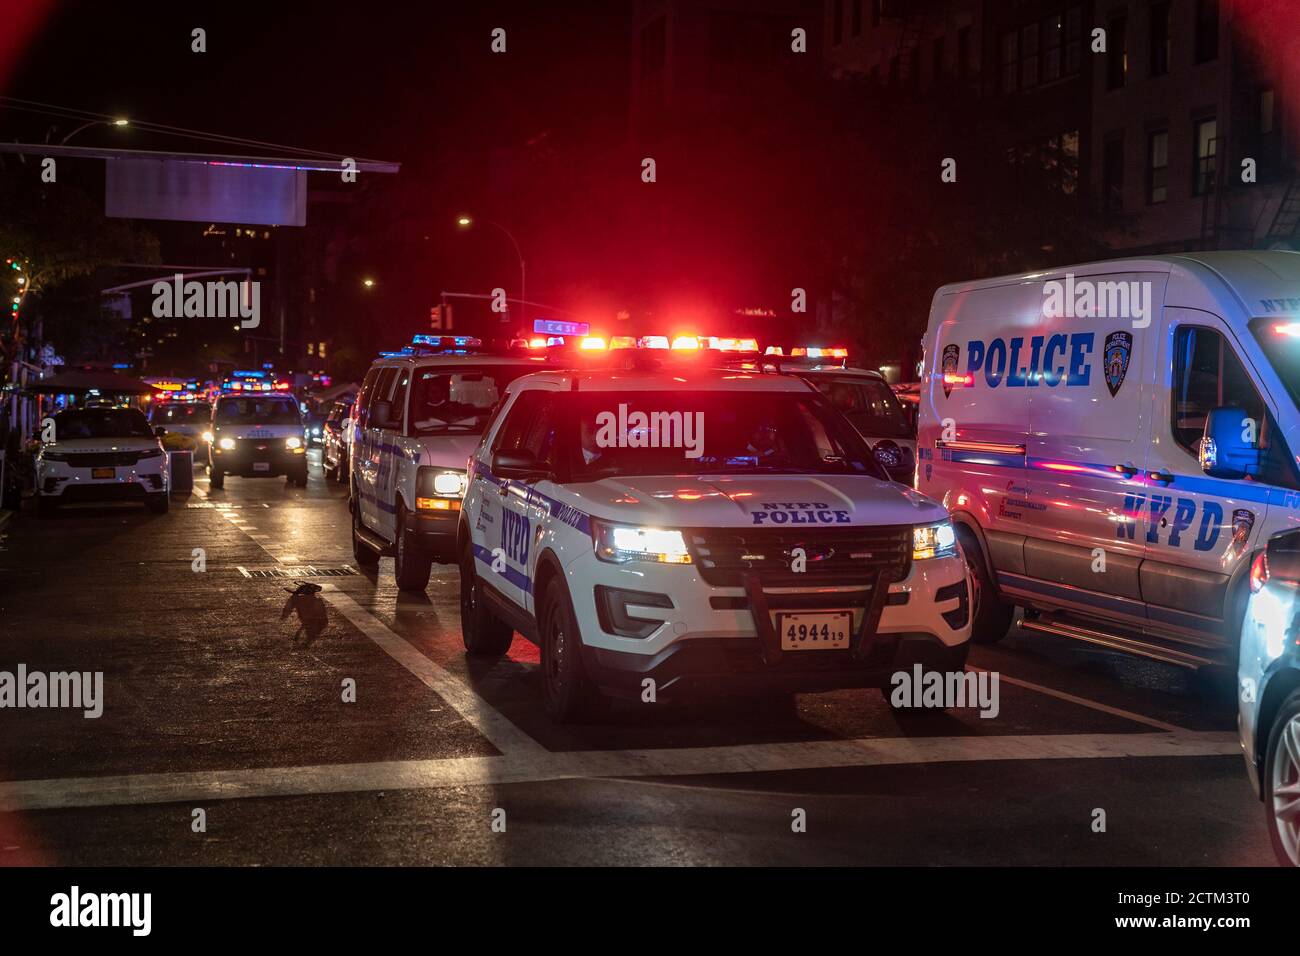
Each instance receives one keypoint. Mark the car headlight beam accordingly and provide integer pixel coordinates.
(938, 540)
(619, 543)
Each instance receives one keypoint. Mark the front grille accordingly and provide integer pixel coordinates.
(259, 449)
(835, 556)
(103, 459)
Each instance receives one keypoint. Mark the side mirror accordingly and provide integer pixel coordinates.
(1284, 557)
(159, 431)
(1228, 444)
(522, 465)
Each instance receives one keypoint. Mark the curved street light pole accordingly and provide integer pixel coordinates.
(523, 273)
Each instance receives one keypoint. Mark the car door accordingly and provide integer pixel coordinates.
(1090, 428)
(370, 437)
(502, 529)
(391, 454)
(1200, 529)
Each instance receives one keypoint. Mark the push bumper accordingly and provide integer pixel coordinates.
(256, 462)
(435, 532)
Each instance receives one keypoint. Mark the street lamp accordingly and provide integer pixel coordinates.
(116, 122)
(465, 222)
(368, 283)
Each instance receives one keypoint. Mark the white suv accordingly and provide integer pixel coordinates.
(101, 454)
(257, 436)
(702, 529)
(417, 418)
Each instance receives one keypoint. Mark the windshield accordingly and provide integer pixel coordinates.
(870, 405)
(101, 423)
(1280, 339)
(459, 399)
(174, 413)
(713, 433)
(259, 411)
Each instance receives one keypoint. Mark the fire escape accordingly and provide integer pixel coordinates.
(913, 18)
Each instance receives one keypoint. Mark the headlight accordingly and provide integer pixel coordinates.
(440, 482)
(619, 543)
(227, 444)
(208, 437)
(937, 540)
(315, 430)
(293, 442)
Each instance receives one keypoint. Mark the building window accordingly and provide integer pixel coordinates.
(1051, 36)
(856, 27)
(1116, 53)
(1112, 175)
(1157, 167)
(938, 67)
(1207, 30)
(1029, 56)
(1205, 142)
(837, 22)
(1010, 62)
(1160, 39)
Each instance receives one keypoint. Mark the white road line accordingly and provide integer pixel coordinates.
(1091, 704)
(139, 789)
(488, 721)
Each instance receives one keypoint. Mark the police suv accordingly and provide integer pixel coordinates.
(866, 400)
(1115, 440)
(257, 431)
(418, 416)
(653, 520)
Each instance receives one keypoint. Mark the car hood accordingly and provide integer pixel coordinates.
(766, 501)
(447, 451)
(92, 445)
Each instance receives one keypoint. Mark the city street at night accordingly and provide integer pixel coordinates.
(219, 695)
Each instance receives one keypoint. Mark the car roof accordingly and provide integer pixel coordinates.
(452, 361)
(828, 370)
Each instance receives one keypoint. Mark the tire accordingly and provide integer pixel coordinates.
(484, 634)
(952, 660)
(341, 470)
(570, 694)
(990, 616)
(412, 565)
(46, 507)
(331, 474)
(298, 478)
(1282, 771)
(157, 504)
(362, 552)
(216, 477)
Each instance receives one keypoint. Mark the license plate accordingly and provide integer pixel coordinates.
(824, 631)
(102, 473)
(261, 466)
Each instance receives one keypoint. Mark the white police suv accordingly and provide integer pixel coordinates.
(419, 415)
(257, 432)
(866, 400)
(701, 529)
(101, 454)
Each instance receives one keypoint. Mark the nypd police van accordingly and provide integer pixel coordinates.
(418, 416)
(1115, 441)
(660, 526)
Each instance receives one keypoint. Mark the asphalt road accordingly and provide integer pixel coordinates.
(223, 696)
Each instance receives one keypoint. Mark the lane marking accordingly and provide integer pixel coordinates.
(486, 719)
(1085, 702)
(539, 766)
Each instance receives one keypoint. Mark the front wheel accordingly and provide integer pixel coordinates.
(570, 694)
(158, 503)
(1282, 782)
(412, 565)
(990, 616)
(216, 477)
